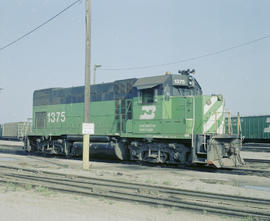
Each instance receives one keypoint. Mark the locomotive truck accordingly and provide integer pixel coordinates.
(159, 119)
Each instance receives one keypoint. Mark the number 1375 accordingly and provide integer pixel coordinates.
(55, 117)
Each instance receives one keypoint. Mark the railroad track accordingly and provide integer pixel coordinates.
(257, 161)
(237, 171)
(12, 149)
(256, 147)
(136, 192)
(256, 150)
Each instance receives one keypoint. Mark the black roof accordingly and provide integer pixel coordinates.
(114, 90)
(99, 92)
(150, 82)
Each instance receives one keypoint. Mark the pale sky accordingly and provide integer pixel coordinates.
(131, 33)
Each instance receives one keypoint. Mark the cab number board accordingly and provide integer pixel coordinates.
(179, 81)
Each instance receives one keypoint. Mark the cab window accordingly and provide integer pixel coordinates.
(148, 96)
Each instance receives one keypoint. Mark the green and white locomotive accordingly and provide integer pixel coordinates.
(160, 119)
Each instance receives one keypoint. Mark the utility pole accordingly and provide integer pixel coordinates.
(86, 135)
(95, 71)
(238, 123)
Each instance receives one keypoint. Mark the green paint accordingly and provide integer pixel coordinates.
(172, 118)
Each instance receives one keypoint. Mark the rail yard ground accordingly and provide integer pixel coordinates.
(36, 202)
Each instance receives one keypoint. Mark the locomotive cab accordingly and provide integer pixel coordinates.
(180, 124)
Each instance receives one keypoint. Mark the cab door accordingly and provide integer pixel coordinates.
(189, 115)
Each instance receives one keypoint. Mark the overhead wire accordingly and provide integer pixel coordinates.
(115, 68)
(39, 26)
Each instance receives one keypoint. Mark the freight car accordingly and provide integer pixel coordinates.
(15, 130)
(159, 119)
(252, 128)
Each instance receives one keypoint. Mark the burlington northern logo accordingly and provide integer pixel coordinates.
(148, 112)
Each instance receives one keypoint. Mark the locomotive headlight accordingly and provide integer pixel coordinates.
(190, 78)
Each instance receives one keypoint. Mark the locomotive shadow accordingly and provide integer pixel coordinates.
(132, 165)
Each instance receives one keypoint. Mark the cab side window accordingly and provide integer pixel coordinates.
(147, 96)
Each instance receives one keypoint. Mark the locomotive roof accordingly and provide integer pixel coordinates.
(150, 82)
(119, 89)
(140, 83)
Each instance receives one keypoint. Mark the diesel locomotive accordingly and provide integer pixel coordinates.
(159, 119)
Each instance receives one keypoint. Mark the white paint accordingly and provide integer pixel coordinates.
(211, 120)
(56, 117)
(147, 127)
(88, 128)
(207, 107)
(179, 81)
(267, 130)
(220, 130)
(148, 112)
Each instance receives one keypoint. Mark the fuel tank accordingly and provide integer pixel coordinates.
(103, 150)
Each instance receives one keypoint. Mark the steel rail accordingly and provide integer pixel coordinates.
(256, 147)
(122, 184)
(180, 203)
(257, 161)
(237, 171)
(131, 193)
(94, 180)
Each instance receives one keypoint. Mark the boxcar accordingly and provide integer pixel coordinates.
(253, 128)
(15, 130)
